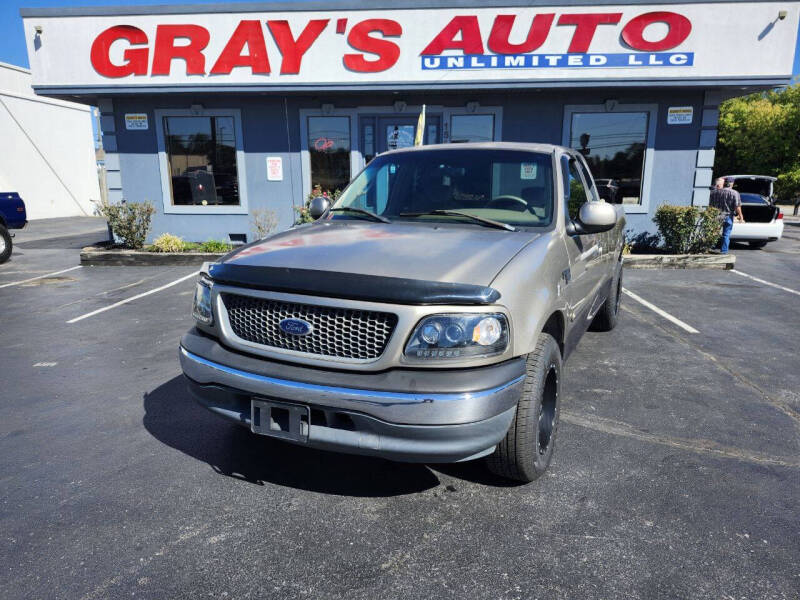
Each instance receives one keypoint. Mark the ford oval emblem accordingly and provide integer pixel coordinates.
(296, 326)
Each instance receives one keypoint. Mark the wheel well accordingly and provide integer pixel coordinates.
(2, 219)
(555, 327)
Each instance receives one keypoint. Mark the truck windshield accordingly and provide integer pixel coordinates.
(508, 186)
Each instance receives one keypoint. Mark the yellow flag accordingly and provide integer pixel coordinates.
(420, 136)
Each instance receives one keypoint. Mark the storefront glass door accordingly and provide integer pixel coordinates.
(380, 134)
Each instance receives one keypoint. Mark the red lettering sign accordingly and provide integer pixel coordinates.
(679, 28)
(374, 51)
(135, 58)
(501, 29)
(291, 49)
(585, 26)
(251, 34)
(470, 42)
(360, 39)
(165, 49)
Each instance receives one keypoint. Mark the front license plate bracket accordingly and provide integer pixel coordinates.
(282, 420)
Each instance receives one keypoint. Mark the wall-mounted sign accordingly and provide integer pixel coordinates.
(274, 168)
(423, 46)
(680, 115)
(137, 121)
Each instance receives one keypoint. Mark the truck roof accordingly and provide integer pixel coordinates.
(525, 147)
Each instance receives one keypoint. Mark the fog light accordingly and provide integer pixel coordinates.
(487, 331)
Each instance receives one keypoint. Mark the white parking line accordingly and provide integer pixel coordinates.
(769, 283)
(660, 312)
(132, 298)
(39, 277)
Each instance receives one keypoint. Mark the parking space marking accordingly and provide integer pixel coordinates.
(38, 277)
(132, 298)
(658, 311)
(769, 283)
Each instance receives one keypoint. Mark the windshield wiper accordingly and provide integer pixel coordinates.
(458, 213)
(362, 211)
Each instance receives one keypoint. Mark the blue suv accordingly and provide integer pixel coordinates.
(12, 216)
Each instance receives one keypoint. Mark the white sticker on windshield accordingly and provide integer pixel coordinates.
(527, 171)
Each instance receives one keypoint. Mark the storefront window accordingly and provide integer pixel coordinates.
(472, 128)
(201, 157)
(614, 145)
(329, 150)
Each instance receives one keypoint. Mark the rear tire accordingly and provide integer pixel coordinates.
(758, 244)
(524, 454)
(606, 318)
(5, 244)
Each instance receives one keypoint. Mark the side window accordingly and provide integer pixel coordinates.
(574, 190)
(587, 177)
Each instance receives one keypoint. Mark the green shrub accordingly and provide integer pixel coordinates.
(303, 215)
(688, 229)
(215, 246)
(640, 243)
(787, 188)
(167, 242)
(129, 221)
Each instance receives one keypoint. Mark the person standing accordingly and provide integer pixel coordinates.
(729, 203)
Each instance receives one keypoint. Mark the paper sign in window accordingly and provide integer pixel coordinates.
(527, 171)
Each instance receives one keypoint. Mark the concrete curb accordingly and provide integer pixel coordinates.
(679, 261)
(99, 256)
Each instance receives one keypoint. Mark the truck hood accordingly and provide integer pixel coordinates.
(439, 252)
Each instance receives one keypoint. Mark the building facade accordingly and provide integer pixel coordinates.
(48, 153)
(214, 112)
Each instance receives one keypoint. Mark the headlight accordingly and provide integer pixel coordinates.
(458, 336)
(201, 310)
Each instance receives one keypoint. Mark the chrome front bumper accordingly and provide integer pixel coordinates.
(400, 425)
(414, 408)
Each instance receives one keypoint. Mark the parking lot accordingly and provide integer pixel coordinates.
(676, 474)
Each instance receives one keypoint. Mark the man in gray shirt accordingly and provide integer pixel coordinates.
(727, 200)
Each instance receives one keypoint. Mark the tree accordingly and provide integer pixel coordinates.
(760, 134)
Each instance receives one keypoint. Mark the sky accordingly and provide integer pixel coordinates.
(12, 40)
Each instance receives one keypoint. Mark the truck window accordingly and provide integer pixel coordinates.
(574, 191)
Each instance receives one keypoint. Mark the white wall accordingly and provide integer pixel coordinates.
(14, 79)
(47, 152)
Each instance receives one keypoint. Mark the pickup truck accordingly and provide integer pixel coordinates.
(425, 316)
(12, 216)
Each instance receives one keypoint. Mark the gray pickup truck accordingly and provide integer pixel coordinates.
(425, 316)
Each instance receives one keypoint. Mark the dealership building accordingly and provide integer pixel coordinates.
(218, 112)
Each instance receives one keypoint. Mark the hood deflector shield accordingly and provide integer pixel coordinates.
(352, 286)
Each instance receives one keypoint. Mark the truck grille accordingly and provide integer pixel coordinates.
(339, 332)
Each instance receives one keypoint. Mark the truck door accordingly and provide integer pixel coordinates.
(585, 268)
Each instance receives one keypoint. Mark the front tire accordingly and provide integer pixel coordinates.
(5, 244)
(524, 454)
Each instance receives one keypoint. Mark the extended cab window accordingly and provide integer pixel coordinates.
(513, 187)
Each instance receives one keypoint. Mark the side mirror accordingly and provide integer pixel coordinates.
(594, 217)
(318, 207)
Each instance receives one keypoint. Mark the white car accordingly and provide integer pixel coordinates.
(763, 220)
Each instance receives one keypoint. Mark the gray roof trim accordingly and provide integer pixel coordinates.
(331, 5)
(756, 82)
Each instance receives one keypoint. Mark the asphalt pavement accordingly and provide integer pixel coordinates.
(676, 472)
